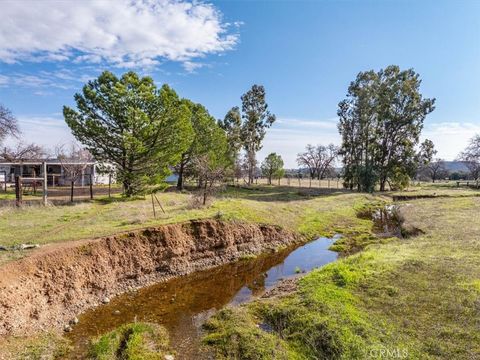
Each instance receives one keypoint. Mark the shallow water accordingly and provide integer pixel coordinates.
(184, 303)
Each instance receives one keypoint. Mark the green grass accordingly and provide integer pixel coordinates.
(46, 346)
(438, 189)
(136, 341)
(309, 212)
(415, 297)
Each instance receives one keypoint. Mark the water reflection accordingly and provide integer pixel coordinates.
(183, 304)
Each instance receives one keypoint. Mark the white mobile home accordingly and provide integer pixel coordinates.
(57, 171)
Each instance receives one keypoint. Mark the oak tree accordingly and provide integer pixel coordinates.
(471, 157)
(380, 123)
(272, 167)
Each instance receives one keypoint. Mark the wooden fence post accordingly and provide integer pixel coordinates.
(4, 179)
(72, 184)
(18, 190)
(34, 182)
(91, 187)
(153, 206)
(45, 185)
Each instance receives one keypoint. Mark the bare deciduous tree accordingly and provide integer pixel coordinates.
(74, 160)
(8, 123)
(22, 151)
(318, 159)
(436, 169)
(471, 157)
(210, 172)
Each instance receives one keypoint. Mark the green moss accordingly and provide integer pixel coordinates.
(365, 210)
(136, 341)
(235, 334)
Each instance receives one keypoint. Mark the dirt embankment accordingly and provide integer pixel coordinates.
(49, 288)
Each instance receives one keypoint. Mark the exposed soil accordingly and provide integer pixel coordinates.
(284, 288)
(47, 289)
(408, 197)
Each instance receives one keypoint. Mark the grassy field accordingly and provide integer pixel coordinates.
(308, 211)
(415, 298)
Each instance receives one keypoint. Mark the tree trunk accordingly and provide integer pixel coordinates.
(127, 188)
(251, 166)
(382, 184)
(205, 193)
(180, 175)
(71, 190)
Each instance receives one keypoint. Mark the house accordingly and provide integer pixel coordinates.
(58, 173)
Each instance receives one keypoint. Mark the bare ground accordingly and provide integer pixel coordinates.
(57, 282)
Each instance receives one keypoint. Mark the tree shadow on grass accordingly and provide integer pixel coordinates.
(279, 193)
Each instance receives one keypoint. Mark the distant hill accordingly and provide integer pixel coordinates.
(452, 166)
(456, 166)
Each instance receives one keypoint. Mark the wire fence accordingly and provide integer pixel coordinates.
(332, 183)
(32, 194)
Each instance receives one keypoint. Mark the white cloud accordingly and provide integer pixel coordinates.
(190, 66)
(48, 131)
(46, 81)
(122, 32)
(3, 80)
(450, 138)
(303, 123)
(288, 137)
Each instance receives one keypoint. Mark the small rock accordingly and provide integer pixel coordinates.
(106, 300)
(28, 246)
(74, 321)
(169, 357)
(116, 312)
(67, 328)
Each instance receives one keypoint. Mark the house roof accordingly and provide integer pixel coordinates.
(49, 161)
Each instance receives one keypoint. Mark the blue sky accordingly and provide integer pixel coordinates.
(305, 53)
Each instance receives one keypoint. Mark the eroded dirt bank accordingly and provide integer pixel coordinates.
(49, 288)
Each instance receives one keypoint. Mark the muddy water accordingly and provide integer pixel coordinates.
(184, 303)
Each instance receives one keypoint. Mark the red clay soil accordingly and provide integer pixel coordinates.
(53, 285)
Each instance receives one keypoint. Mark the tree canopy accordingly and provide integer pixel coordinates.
(207, 137)
(272, 167)
(256, 119)
(232, 125)
(132, 124)
(380, 124)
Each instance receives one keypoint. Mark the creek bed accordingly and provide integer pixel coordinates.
(182, 304)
